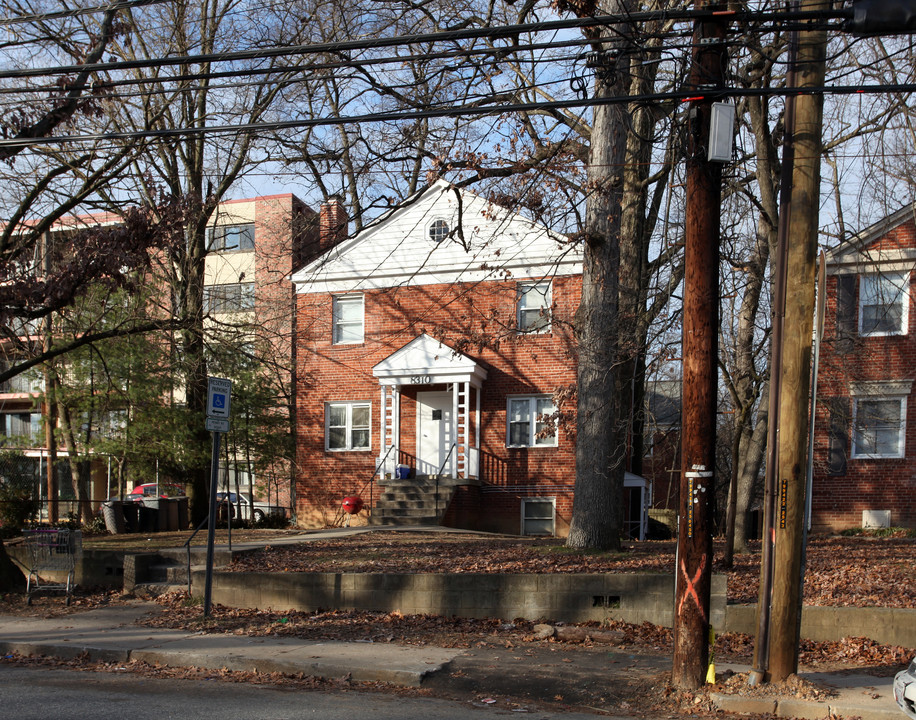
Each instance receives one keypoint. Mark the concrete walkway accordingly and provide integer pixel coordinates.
(112, 635)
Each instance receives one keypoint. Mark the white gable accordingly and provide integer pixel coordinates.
(485, 242)
(857, 255)
(425, 359)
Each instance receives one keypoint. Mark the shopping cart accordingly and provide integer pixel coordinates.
(52, 551)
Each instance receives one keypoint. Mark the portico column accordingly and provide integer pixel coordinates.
(383, 435)
(467, 430)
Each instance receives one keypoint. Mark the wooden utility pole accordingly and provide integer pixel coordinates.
(700, 364)
(795, 385)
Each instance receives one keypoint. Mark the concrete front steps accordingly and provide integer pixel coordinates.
(412, 501)
(149, 575)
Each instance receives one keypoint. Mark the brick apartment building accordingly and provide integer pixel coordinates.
(254, 246)
(431, 345)
(865, 431)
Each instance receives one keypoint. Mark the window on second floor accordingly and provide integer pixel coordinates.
(525, 428)
(233, 297)
(533, 307)
(231, 238)
(884, 301)
(348, 316)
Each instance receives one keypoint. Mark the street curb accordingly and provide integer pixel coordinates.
(322, 660)
(65, 652)
(802, 709)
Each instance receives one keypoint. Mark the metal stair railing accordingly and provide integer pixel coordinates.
(203, 523)
(441, 468)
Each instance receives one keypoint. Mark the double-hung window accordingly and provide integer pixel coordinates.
(348, 319)
(884, 301)
(879, 426)
(347, 426)
(525, 426)
(533, 307)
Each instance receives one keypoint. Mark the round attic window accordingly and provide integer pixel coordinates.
(438, 231)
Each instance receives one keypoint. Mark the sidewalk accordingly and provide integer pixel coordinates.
(111, 635)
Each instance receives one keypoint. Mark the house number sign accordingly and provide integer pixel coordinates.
(421, 379)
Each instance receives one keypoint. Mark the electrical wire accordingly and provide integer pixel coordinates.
(680, 96)
(501, 32)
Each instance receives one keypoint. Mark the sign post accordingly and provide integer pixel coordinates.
(219, 397)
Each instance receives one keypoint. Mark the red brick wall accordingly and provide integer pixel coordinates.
(867, 484)
(475, 319)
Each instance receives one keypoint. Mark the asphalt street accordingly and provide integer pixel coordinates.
(42, 693)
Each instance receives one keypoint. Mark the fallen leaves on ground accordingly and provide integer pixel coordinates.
(456, 632)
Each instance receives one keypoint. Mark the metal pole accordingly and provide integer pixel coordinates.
(211, 526)
(815, 363)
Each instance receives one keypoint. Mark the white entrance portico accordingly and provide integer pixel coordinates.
(444, 440)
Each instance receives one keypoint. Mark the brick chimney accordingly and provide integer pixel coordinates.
(333, 223)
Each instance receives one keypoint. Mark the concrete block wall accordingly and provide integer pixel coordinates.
(632, 598)
(94, 568)
(893, 626)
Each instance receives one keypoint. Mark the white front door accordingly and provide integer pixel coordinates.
(434, 432)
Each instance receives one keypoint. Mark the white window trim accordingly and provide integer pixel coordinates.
(532, 409)
(350, 404)
(334, 319)
(901, 432)
(904, 299)
(524, 516)
(547, 308)
(433, 224)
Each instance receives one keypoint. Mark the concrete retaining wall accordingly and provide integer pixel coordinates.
(95, 568)
(567, 597)
(894, 626)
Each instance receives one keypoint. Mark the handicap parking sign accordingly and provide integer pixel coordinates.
(218, 397)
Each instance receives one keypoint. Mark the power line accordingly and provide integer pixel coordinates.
(76, 12)
(459, 111)
(492, 33)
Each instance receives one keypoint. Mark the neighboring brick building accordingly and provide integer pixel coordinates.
(431, 344)
(254, 246)
(865, 432)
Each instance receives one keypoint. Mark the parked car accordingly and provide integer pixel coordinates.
(905, 689)
(151, 490)
(244, 509)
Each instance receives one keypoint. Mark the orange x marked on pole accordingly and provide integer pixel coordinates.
(691, 587)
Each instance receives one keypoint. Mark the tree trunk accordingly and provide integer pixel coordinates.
(596, 513)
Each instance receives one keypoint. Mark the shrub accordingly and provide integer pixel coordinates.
(19, 504)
